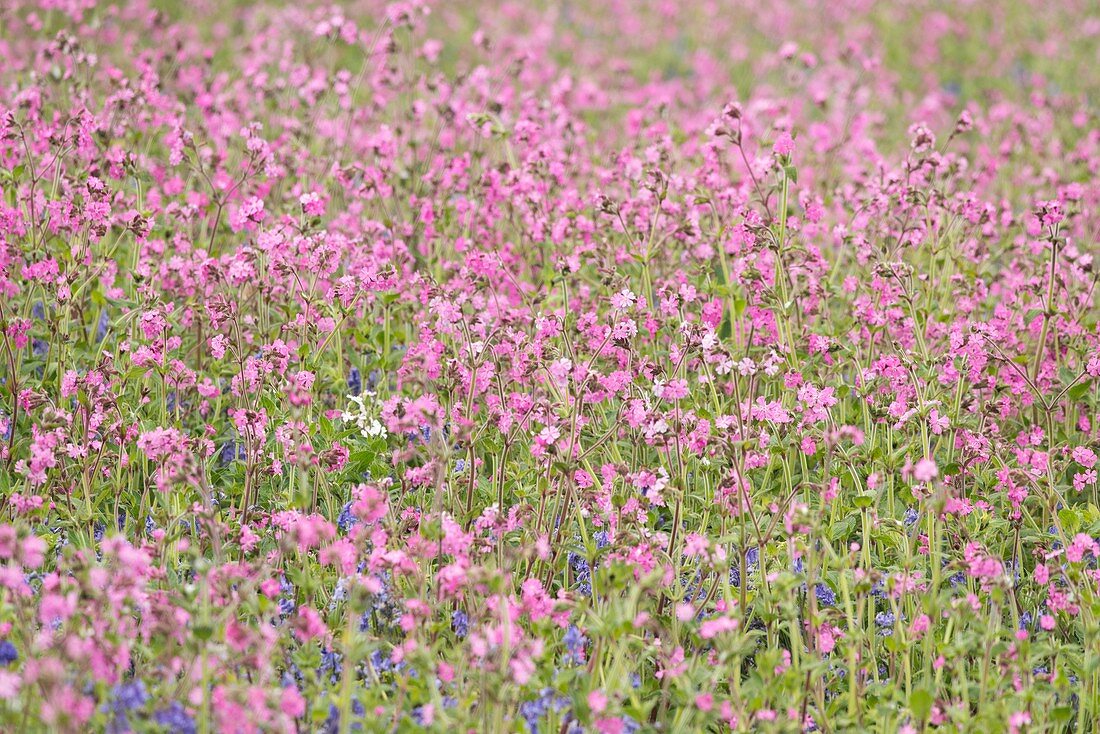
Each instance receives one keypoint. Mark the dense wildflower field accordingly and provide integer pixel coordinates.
(549, 367)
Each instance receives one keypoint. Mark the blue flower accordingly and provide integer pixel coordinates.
(231, 452)
(582, 573)
(355, 381)
(175, 719)
(460, 623)
(129, 696)
(118, 724)
(101, 327)
(574, 641)
(8, 653)
(330, 661)
(381, 663)
(346, 520)
(533, 711)
(286, 606)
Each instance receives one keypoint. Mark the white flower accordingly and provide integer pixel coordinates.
(363, 416)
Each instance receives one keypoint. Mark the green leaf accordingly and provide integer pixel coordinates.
(1079, 391)
(864, 500)
(1061, 714)
(920, 703)
(1069, 520)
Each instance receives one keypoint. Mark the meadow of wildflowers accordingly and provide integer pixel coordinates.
(557, 367)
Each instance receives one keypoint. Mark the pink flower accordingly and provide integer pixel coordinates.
(1084, 456)
(10, 683)
(291, 702)
(312, 204)
(925, 470)
(309, 625)
(784, 144)
(1082, 544)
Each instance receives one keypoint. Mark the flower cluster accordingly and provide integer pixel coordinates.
(549, 367)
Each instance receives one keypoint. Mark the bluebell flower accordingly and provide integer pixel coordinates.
(8, 653)
(355, 381)
(825, 595)
(380, 662)
(231, 451)
(175, 719)
(340, 593)
(345, 521)
(286, 606)
(330, 662)
(885, 621)
(129, 696)
(460, 623)
(534, 710)
(574, 641)
(752, 557)
(581, 573)
(332, 723)
(101, 327)
(118, 724)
